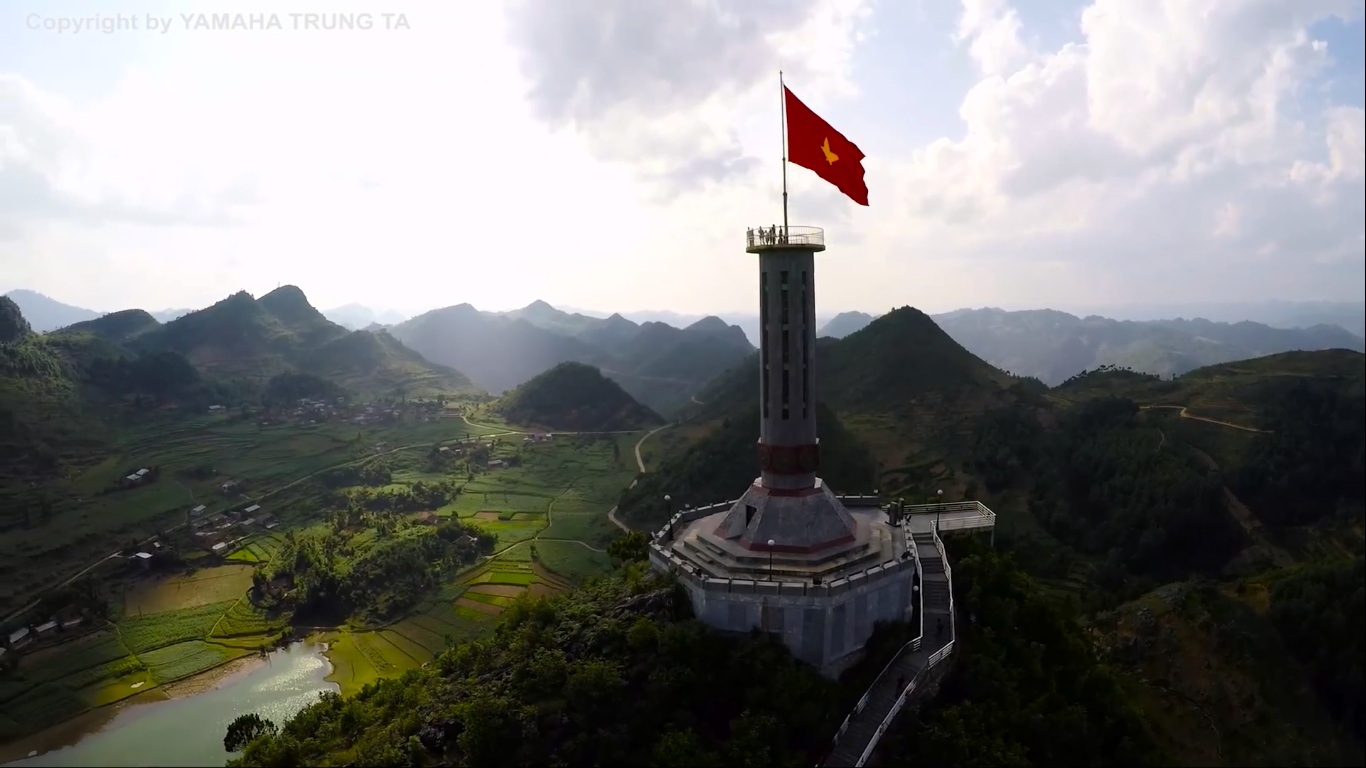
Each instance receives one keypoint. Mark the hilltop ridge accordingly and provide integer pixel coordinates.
(659, 365)
(578, 398)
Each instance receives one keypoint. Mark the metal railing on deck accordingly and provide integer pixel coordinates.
(778, 236)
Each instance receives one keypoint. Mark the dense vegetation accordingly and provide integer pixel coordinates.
(1313, 465)
(618, 673)
(1024, 688)
(13, 326)
(289, 388)
(1109, 487)
(1321, 614)
(611, 674)
(335, 575)
(577, 398)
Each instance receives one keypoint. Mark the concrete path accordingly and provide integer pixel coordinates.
(864, 726)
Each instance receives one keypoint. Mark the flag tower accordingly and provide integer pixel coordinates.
(789, 556)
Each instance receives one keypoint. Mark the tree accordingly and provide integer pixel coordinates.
(631, 547)
(246, 729)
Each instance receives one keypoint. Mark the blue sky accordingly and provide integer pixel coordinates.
(609, 154)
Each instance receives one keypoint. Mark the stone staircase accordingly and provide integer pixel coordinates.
(864, 728)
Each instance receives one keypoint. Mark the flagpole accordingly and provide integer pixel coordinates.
(782, 93)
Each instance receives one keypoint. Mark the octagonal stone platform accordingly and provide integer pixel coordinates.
(837, 566)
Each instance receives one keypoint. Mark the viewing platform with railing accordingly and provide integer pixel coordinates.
(777, 237)
(952, 516)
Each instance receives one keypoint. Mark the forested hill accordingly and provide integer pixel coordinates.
(618, 673)
(1181, 520)
(577, 398)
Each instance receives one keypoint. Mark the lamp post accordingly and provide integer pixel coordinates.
(770, 559)
(937, 511)
(669, 515)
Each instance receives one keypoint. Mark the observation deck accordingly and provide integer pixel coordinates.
(777, 238)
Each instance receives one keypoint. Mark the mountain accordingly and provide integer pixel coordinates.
(542, 315)
(358, 316)
(42, 416)
(577, 398)
(497, 352)
(1203, 529)
(13, 326)
(1051, 345)
(658, 364)
(845, 323)
(376, 361)
(45, 314)
(117, 327)
(1350, 315)
(167, 315)
(249, 339)
(902, 388)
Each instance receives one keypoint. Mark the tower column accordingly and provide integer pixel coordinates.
(789, 450)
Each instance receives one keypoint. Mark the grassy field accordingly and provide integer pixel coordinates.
(130, 656)
(547, 508)
(464, 608)
(196, 455)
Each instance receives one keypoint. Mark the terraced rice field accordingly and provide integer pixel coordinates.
(111, 662)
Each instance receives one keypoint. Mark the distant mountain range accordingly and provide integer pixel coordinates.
(662, 358)
(1051, 346)
(658, 364)
(249, 339)
(359, 317)
(47, 314)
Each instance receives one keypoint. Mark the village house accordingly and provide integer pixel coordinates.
(218, 548)
(19, 638)
(143, 558)
(46, 628)
(496, 464)
(216, 409)
(72, 623)
(230, 486)
(427, 518)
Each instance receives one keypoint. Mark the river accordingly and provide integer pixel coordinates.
(189, 731)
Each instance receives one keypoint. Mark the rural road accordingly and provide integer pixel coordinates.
(556, 432)
(1186, 414)
(640, 464)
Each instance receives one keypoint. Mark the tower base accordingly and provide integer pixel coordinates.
(821, 601)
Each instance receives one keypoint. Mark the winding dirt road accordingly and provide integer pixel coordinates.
(1186, 414)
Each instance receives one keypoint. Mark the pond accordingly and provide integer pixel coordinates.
(189, 731)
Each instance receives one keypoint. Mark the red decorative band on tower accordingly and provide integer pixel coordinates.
(789, 459)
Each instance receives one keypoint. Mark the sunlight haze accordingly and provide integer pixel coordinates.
(609, 154)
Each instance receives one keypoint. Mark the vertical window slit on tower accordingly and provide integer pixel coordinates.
(807, 378)
(763, 340)
(787, 344)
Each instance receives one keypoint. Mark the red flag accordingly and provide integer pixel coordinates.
(813, 144)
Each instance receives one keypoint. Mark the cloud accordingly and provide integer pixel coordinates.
(51, 169)
(655, 85)
(1173, 151)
